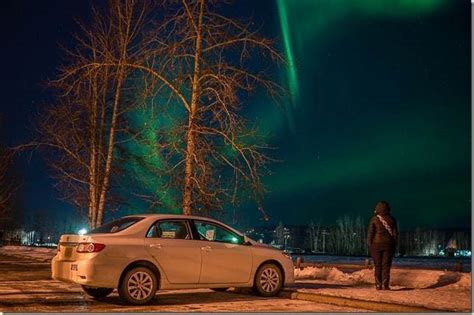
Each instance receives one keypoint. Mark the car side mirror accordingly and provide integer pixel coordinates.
(247, 241)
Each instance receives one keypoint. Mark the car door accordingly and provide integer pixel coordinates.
(224, 257)
(171, 245)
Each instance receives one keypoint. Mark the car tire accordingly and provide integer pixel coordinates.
(268, 280)
(219, 289)
(97, 293)
(138, 286)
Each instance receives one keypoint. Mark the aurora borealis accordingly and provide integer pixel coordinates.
(382, 111)
(378, 107)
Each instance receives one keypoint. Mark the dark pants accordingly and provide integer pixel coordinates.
(382, 255)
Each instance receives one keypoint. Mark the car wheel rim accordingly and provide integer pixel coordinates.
(140, 285)
(269, 280)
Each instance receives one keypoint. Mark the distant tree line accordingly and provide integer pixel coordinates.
(432, 242)
(39, 228)
(348, 236)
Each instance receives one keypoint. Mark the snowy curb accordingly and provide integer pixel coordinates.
(355, 303)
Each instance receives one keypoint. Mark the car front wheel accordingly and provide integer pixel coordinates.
(268, 280)
(97, 292)
(138, 286)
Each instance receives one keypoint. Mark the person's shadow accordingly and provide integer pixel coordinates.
(310, 285)
(402, 289)
(446, 279)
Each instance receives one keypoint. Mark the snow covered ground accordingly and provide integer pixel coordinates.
(406, 278)
(36, 253)
(435, 289)
(26, 286)
(54, 296)
(439, 263)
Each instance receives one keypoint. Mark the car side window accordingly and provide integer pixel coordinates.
(169, 229)
(215, 233)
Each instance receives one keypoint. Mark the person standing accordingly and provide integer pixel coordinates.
(382, 238)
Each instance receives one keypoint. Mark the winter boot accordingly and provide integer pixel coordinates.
(378, 284)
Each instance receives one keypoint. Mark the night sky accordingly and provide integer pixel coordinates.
(378, 106)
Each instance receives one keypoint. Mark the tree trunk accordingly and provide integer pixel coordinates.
(101, 135)
(92, 195)
(190, 145)
(93, 155)
(110, 148)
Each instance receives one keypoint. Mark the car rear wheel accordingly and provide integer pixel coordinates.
(219, 289)
(268, 280)
(138, 286)
(97, 292)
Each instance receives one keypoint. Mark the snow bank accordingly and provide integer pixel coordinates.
(324, 273)
(465, 281)
(36, 253)
(408, 278)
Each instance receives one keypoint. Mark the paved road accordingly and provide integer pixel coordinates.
(26, 286)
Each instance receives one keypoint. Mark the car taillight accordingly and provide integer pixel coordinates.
(89, 247)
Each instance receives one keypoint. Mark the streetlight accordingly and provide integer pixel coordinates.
(82, 231)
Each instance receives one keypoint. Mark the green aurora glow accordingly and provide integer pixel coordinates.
(379, 108)
(373, 117)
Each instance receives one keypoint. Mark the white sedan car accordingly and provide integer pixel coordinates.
(140, 254)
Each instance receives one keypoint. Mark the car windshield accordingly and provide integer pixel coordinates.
(116, 226)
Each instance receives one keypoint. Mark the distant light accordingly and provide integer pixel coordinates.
(234, 239)
(82, 231)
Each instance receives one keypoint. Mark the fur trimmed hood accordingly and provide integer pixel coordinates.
(382, 208)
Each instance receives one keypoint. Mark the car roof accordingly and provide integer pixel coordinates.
(171, 216)
(182, 216)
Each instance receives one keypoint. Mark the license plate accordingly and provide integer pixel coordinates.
(74, 267)
(68, 252)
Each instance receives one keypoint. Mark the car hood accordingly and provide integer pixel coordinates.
(261, 245)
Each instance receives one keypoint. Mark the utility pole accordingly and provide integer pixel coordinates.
(286, 236)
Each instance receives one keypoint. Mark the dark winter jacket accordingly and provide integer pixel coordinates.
(378, 234)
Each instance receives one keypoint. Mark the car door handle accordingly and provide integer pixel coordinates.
(157, 246)
(206, 248)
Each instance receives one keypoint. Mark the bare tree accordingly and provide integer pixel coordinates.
(8, 182)
(198, 58)
(212, 63)
(8, 186)
(314, 232)
(279, 234)
(348, 236)
(82, 127)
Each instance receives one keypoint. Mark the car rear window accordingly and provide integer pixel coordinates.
(116, 226)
